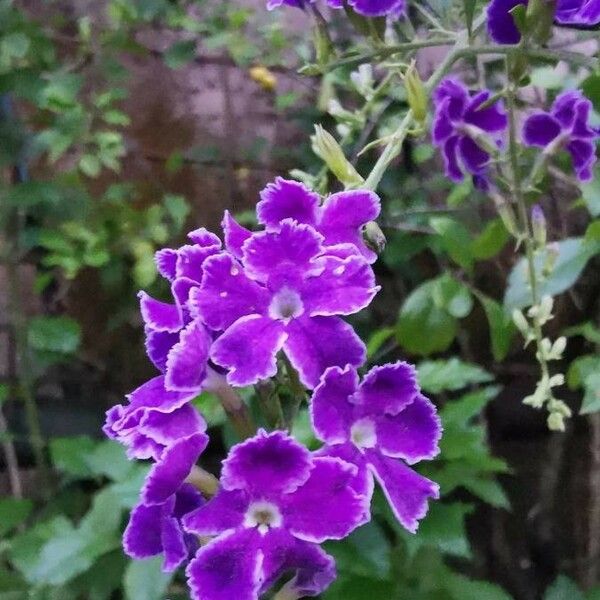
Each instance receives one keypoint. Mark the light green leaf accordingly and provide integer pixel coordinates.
(587, 330)
(581, 368)
(108, 458)
(490, 241)
(69, 455)
(460, 412)
(591, 399)
(453, 374)
(590, 192)
(563, 588)
(144, 580)
(54, 334)
(574, 254)
(454, 296)
(463, 588)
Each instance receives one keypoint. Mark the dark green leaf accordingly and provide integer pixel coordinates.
(563, 588)
(377, 339)
(455, 239)
(502, 328)
(180, 54)
(591, 88)
(13, 511)
(69, 455)
(453, 374)
(490, 241)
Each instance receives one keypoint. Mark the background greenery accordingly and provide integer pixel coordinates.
(519, 509)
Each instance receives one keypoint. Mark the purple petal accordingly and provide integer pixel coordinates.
(187, 499)
(345, 287)
(376, 8)
(268, 463)
(316, 343)
(406, 491)
(583, 155)
(203, 237)
(223, 512)
(142, 537)
(343, 216)
(331, 409)
(173, 542)
(387, 389)
(362, 482)
(473, 157)
(188, 359)
(564, 108)
(235, 235)
(313, 570)
(158, 344)
(166, 260)
(449, 152)
(581, 127)
(443, 127)
(166, 428)
(181, 288)
(292, 249)
(158, 315)
(190, 260)
(227, 568)
(540, 129)
(153, 394)
(287, 199)
(226, 294)
(500, 23)
(248, 348)
(491, 119)
(456, 96)
(175, 464)
(340, 508)
(413, 434)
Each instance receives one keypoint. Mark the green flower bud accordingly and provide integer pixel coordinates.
(416, 93)
(325, 146)
(374, 237)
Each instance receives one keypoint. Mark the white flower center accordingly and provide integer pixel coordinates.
(286, 305)
(263, 515)
(362, 433)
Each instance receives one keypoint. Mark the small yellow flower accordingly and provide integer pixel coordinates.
(263, 77)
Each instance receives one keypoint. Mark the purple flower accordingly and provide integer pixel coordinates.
(157, 529)
(459, 126)
(276, 504)
(565, 126)
(285, 294)
(375, 423)
(502, 28)
(339, 220)
(368, 8)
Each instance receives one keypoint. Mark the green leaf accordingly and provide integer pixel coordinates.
(180, 54)
(460, 412)
(549, 78)
(108, 458)
(455, 239)
(587, 330)
(463, 588)
(69, 455)
(590, 192)
(144, 580)
(425, 327)
(574, 254)
(581, 368)
(592, 233)
(563, 588)
(469, 8)
(454, 296)
(490, 241)
(377, 339)
(502, 328)
(13, 511)
(90, 165)
(15, 44)
(453, 374)
(591, 88)
(54, 334)
(591, 399)
(444, 528)
(489, 490)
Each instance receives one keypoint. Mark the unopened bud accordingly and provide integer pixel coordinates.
(556, 421)
(416, 93)
(374, 237)
(538, 225)
(556, 380)
(505, 212)
(558, 348)
(323, 46)
(326, 147)
(552, 252)
(520, 321)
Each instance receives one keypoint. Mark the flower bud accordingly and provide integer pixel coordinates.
(325, 146)
(538, 225)
(263, 77)
(520, 321)
(556, 421)
(374, 237)
(552, 252)
(416, 93)
(505, 212)
(558, 348)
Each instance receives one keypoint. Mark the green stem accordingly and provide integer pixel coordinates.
(237, 412)
(298, 393)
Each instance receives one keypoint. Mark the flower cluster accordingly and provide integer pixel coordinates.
(565, 126)
(235, 307)
(502, 27)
